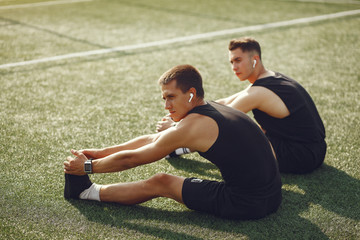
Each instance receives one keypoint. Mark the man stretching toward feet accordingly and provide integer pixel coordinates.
(251, 186)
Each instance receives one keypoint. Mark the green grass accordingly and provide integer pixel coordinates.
(49, 108)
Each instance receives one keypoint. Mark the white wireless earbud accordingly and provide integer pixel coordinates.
(191, 97)
(254, 64)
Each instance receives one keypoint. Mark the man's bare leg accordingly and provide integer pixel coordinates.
(159, 185)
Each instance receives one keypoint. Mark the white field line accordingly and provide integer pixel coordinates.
(325, 1)
(42, 4)
(184, 39)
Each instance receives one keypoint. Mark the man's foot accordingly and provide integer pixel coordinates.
(74, 185)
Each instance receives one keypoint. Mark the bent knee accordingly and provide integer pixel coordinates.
(166, 185)
(160, 179)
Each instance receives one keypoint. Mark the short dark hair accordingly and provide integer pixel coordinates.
(246, 44)
(186, 77)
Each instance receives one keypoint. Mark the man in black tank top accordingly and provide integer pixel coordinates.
(281, 106)
(251, 186)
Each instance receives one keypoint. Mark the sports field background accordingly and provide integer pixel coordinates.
(50, 105)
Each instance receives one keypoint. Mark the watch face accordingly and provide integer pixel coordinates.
(88, 168)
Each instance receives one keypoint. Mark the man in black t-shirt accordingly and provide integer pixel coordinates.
(251, 186)
(281, 106)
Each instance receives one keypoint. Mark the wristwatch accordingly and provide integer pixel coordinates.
(88, 166)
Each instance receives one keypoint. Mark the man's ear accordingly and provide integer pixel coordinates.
(257, 58)
(193, 91)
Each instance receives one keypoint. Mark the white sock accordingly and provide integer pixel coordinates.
(181, 151)
(92, 193)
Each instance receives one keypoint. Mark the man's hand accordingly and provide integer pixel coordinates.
(165, 123)
(92, 153)
(75, 165)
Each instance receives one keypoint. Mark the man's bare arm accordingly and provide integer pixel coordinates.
(130, 145)
(262, 99)
(142, 150)
(229, 100)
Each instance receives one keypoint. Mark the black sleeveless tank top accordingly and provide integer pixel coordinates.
(241, 152)
(303, 124)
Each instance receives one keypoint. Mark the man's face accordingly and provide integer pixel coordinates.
(176, 102)
(241, 63)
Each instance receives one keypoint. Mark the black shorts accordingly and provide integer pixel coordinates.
(219, 199)
(296, 157)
